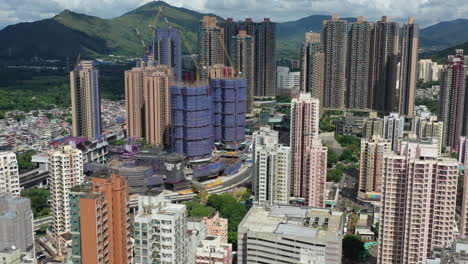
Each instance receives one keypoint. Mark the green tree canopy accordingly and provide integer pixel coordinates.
(39, 201)
(352, 247)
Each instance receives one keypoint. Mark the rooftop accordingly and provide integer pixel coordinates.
(309, 223)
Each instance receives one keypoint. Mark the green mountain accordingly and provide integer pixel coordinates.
(291, 34)
(441, 56)
(444, 34)
(69, 33)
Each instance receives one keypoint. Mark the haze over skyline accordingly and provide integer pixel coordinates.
(427, 12)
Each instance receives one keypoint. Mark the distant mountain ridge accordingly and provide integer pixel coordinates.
(70, 33)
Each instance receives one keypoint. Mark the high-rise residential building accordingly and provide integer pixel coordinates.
(157, 105)
(210, 39)
(428, 70)
(100, 219)
(217, 226)
(264, 34)
(371, 163)
(272, 168)
(307, 154)
(288, 234)
(85, 100)
(243, 56)
(148, 103)
(464, 209)
(192, 120)
(463, 150)
(417, 215)
(164, 225)
(9, 173)
(384, 60)
(229, 100)
(359, 67)
(373, 126)
(65, 172)
(313, 182)
(452, 100)
(213, 250)
(168, 50)
(334, 38)
(16, 224)
(230, 31)
(408, 68)
(432, 128)
(394, 125)
(286, 79)
(312, 65)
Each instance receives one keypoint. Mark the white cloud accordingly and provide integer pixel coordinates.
(426, 11)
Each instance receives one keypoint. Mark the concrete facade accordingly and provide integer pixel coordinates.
(312, 65)
(213, 250)
(160, 231)
(334, 38)
(66, 172)
(384, 61)
(16, 224)
(288, 234)
(371, 163)
(9, 174)
(217, 226)
(305, 115)
(359, 64)
(452, 100)
(244, 59)
(418, 203)
(148, 103)
(100, 221)
(394, 125)
(408, 68)
(272, 168)
(85, 100)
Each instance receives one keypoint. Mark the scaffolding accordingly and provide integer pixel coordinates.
(192, 120)
(229, 101)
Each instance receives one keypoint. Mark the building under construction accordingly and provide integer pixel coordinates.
(192, 120)
(229, 102)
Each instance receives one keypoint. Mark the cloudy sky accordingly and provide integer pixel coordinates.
(427, 12)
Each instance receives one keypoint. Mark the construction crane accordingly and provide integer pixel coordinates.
(226, 53)
(187, 45)
(154, 26)
(142, 41)
(77, 61)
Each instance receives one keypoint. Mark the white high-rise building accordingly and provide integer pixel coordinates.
(160, 231)
(394, 125)
(66, 171)
(272, 168)
(287, 79)
(9, 175)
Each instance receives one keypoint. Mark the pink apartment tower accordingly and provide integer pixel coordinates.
(418, 203)
(308, 156)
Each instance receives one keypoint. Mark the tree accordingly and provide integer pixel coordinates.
(332, 158)
(334, 175)
(352, 247)
(229, 208)
(196, 209)
(39, 201)
(24, 160)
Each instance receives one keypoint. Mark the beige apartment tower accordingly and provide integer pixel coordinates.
(408, 68)
(312, 66)
(85, 100)
(371, 163)
(148, 103)
(244, 60)
(66, 172)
